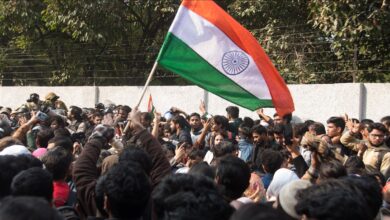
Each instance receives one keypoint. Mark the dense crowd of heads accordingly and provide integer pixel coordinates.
(115, 162)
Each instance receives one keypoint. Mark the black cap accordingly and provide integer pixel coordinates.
(33, 97)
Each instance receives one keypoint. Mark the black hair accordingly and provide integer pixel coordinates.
(332, 169)
(60, 121)
(300, 129)
(386, 121)
(34, 181)
(62, 132)
(318, 127)
(178, 119)
(5, 128)
(244, 131)
(77, 113)
(233, 111)
(271, 160)
(25, 207)
(125, 108)
(233, 175)
(202, 168)
(255, 211)
(128, 190)
(354, 165)
(57, 161)
(194, 114)
(221, 120)
(287, 118)
(43, 137)
(136, 155)
(12, 165)
(146, 116)
(337, 121)
(377, 126)
(278, 129)
(223, 148)
(259, 129)
(339, 199)
(184, 196)
(62, 141)
(248, 122)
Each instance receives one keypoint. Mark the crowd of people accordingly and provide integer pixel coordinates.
(115, 162)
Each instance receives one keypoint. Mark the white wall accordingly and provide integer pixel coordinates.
(317, 102)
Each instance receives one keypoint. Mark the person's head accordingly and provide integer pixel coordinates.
(33, 98)
(34, 181)
(255, 211)
(137, 155)
(386, 122)
(332, 169)
(186, 196)
(224, 148)
(232, 112)
(271, 160)
(169, 150)
(75, 113)
(127, 190)
(195, 156)
(286, 200)
(335, 126)
(339, 199)
(277, 119)
(57, 161)
(57, 122)
(12, 165)
(220, 123)
(26, 207)
(244, 132)
(219, 137)
(278, 134)
(62, 141)
(377, 133)
(317, 128)
(43, 137)
(233, 175)
(178, 122)
(5, 128)
(259, 134)
(146, 119)
(97, 118)
(195, 122)
(124, 112)
(354, 166)
(204, 169)
(365, 123)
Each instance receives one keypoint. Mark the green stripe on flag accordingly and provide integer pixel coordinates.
(179, 58)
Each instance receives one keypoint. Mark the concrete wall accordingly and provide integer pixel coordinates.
(317, 102)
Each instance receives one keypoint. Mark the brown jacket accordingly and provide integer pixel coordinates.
(85, 175)
(160, 164)
(375, 158)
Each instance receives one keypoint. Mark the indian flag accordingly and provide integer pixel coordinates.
(151, 108)
(208, 47)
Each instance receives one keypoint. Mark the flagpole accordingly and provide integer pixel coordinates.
(147, 83)
(143, 92)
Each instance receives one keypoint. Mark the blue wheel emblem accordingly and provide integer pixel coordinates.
(235, 62)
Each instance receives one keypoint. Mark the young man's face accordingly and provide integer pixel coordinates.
(257, 138)
(97, 120)
(277, 119)
(279, 139)
(332, 130)
(376, 137)
(195, 122)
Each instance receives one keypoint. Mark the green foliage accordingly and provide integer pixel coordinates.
(110, 42)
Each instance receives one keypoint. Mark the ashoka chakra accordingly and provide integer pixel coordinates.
(234, 62)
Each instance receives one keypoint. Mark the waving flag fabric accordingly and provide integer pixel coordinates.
(208, 47)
